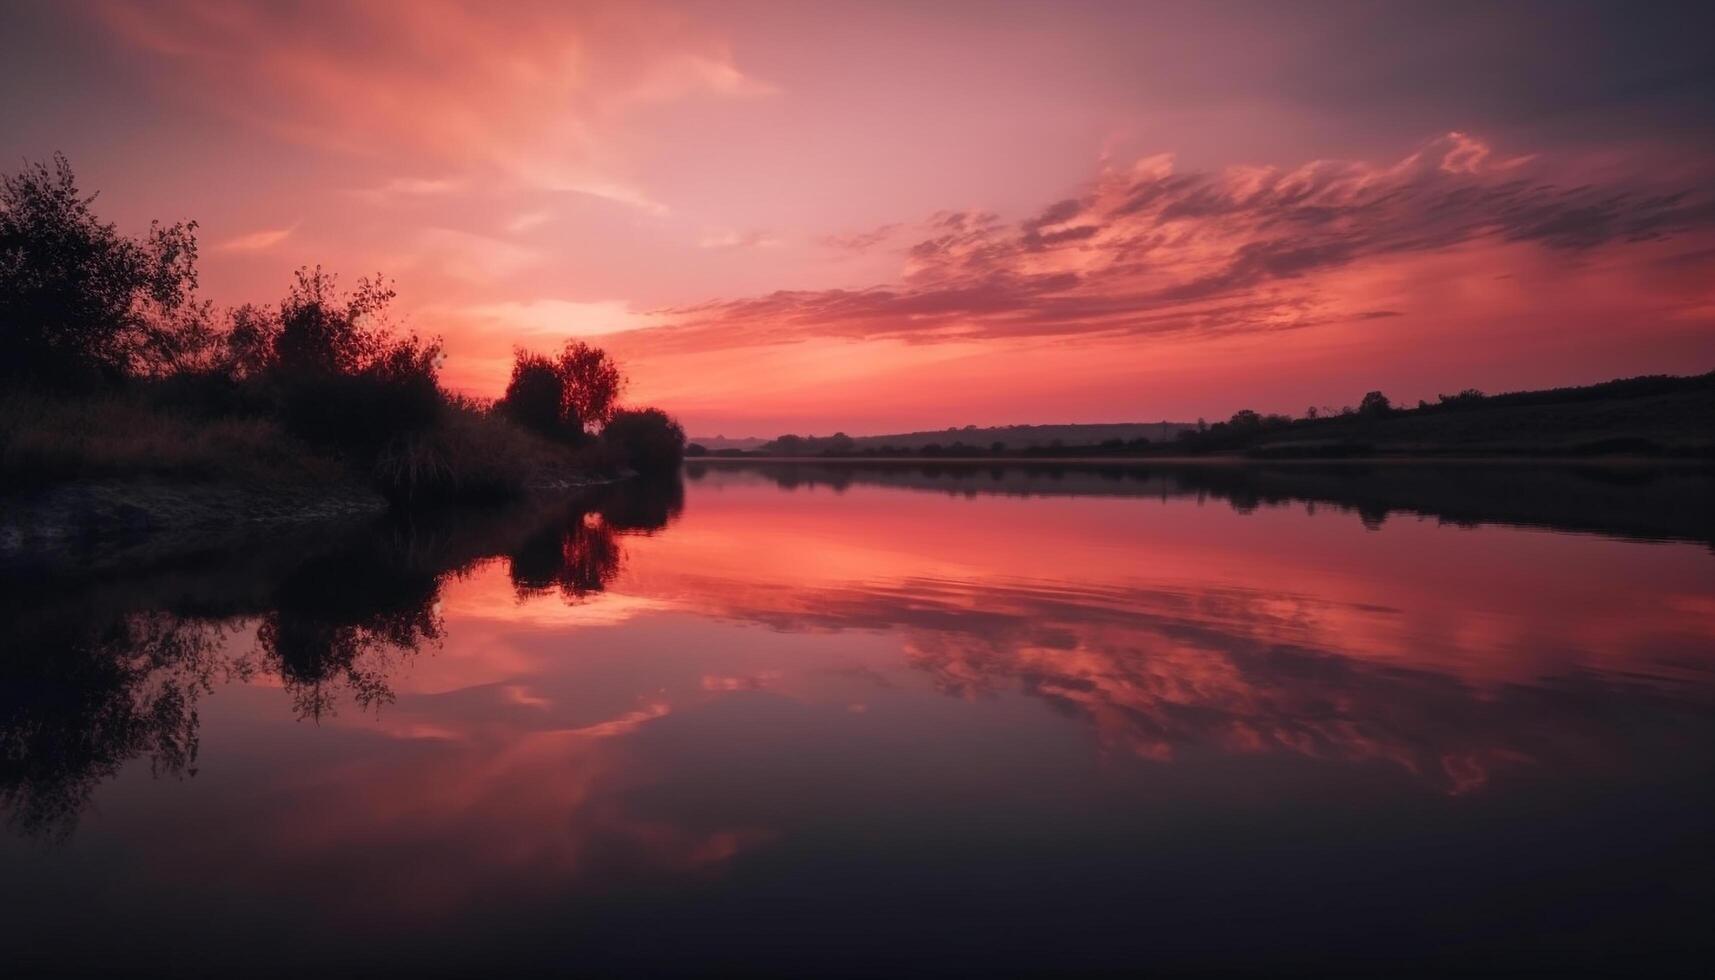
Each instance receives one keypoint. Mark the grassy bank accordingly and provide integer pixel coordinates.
(467, 453)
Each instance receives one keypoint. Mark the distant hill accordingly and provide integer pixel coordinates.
(1011, 437)
(1652, 415)
(1656, 415)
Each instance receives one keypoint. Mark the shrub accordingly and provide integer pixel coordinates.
(343, 381)
(322, 333)
(647, 440)
(472, 456)
(397, 396)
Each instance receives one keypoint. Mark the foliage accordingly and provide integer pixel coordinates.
(647, 440)
(258, 392)
(559, 396)
(81, 304)
(535, 395)
(592, 384)
(343, 379)
(471, 456)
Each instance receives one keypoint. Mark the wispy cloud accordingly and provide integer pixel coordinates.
(527, 220)
(534, 92)
(469, 256)
(408, 188)
(1149, 249)
(861, 241)
(257, 241)
(556, 319)
(737, 239)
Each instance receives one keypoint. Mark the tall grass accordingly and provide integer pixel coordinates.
(47, 439)
(473, 455)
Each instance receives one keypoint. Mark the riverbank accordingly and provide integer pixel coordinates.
(1653, 417)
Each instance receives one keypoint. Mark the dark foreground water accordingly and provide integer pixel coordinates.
(813, 720)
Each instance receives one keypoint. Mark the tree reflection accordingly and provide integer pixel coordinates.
(1648, 502)
(578, 556)
(80, 698)
(579, 553)
(344, 621)
(97, 673)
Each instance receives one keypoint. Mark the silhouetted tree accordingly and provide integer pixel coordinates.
(323, 333)
(535, 396)
(251, 334)
(79, 302)
(1470, 396)
(1375, 405)
(592, 383)
(647, 440)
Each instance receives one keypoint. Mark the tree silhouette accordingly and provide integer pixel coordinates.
(592, 383)
(536, 396)
(79, 302)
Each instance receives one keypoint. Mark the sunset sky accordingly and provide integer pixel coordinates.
(875, 217)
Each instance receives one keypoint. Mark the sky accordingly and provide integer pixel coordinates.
(877, 217)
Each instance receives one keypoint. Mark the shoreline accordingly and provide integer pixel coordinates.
(108, 523)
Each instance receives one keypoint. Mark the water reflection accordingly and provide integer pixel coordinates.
(772, 711)
(1648, 501)
(79, 698)
(100, 672)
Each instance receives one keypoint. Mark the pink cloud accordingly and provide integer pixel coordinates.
(1152, 250)
(533, 92)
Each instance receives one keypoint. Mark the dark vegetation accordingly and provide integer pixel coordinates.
(112, 368)
(1655, 416)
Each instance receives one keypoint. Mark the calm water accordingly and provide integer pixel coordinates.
(831, 719)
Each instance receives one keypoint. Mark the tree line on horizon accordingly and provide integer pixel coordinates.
(1320, 430)
(88, 314)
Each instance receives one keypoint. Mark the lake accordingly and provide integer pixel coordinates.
(824, 718)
